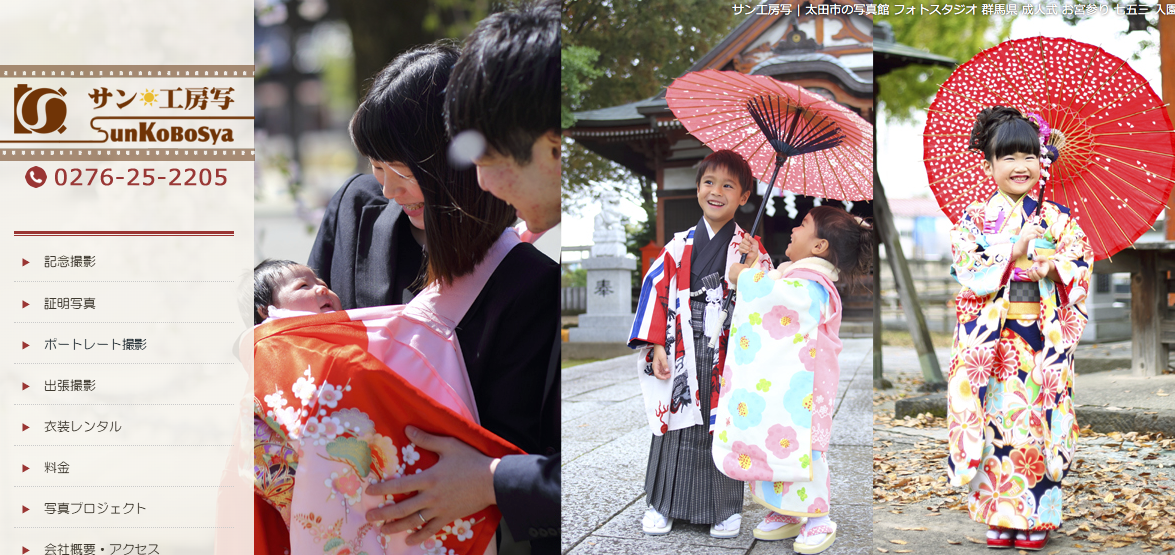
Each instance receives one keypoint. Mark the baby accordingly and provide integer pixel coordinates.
(283, 288)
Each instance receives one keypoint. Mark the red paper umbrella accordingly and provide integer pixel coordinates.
(762, 118)
(1117, 163)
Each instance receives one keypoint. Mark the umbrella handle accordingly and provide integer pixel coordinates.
(780, 160)
(1039, 205)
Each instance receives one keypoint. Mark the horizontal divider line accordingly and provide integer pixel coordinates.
(112, 233)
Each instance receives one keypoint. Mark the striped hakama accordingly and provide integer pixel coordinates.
(681, 481)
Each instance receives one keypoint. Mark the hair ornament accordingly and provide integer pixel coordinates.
(1050, 143)
(1041, 124)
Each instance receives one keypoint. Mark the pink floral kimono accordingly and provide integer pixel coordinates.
(778, 391)
(333, 393)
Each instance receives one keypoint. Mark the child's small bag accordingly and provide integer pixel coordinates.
(779, 383)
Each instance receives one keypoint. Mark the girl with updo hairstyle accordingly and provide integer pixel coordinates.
(1025, 273)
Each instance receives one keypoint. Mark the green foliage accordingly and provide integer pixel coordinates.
(577, 69)
(454, 18)
(575, 278)
(644, 45)
(911, 89)
(380, 31)
(639, 48)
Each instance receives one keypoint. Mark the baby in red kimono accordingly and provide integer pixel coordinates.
(291, 288)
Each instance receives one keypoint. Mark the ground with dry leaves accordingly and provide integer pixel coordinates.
(1119, 494)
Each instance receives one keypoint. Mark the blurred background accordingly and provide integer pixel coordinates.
(621, 138)
(314, 60)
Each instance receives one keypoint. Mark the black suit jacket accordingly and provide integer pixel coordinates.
(509, 340)
(364, 250)
(506, 339)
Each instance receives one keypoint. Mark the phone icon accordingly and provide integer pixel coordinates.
(35, 177)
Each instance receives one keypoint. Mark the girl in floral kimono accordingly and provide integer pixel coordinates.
(678, 314)
(779, 384)
(1025, 273)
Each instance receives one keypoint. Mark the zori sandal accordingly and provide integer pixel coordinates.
(777, 527)
(728, 528)
(999, 538)
(809, 541)
(656, 524)
(1032, 540)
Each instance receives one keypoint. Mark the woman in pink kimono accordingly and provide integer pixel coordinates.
(1010, 418)
(334, 392)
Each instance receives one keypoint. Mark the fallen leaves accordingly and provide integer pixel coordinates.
(913, 475)
(1118, 493)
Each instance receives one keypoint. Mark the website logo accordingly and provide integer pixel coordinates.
(38, 110)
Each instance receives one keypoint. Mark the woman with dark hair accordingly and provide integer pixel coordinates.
(400, 127)
(506, 334)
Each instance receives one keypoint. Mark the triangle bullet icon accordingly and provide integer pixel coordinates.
(24, 550)
(24, 468)
(24, 262)
(24, 304)
(24, 509)
(24, 386)
(24, 427)
(24, 345)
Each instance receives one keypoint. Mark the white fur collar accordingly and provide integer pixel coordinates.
(813, 263)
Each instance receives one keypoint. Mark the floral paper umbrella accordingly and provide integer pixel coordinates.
(1117, 163)
(718, 107)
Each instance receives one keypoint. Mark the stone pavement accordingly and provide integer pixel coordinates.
(606, 449)
(1106, 395)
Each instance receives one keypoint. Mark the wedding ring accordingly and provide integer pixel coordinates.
(421, 515)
